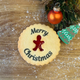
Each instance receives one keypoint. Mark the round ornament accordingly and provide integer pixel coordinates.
(55, 16)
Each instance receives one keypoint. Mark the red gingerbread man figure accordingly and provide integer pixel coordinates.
(38, 43)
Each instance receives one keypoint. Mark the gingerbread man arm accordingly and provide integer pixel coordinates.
(34, 41)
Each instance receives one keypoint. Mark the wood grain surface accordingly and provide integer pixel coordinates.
(15, 16)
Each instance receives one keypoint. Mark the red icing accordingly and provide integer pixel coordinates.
(38, 43)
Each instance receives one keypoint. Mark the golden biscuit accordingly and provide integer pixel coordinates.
(38, 44)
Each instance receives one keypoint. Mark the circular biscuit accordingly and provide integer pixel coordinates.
(45, 41)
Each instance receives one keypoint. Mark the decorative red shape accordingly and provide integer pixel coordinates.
(38, 43)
